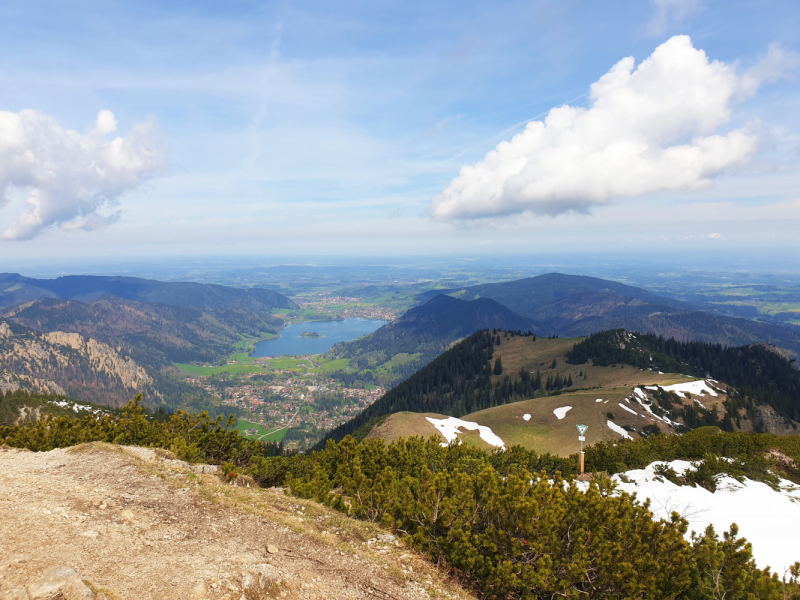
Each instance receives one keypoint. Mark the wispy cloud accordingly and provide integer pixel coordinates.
(671, 13)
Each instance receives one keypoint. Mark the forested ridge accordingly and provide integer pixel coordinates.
(423, 332)
(456, 383)
(755, 371)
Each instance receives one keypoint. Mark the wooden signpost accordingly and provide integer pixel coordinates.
(581, 430)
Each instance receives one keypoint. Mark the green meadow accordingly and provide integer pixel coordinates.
(263, 434)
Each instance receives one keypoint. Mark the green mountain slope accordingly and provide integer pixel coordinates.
(425, 332)
(572, 305)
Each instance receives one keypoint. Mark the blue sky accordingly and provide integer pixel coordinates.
(281, 128)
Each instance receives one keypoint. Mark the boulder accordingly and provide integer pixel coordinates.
(49, 585)
(75, 589)
(58, 582)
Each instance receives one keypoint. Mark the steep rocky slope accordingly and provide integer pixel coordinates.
(84, 367)
(11, 382)
(137, 526)
(155, 335)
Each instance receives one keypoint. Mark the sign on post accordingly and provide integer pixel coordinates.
(582, 430)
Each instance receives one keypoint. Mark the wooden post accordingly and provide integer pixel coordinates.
(581, 455)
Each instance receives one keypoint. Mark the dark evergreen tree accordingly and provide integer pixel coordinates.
(498, 366)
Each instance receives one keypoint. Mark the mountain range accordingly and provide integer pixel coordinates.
(573, 305)
(104, 339)
(15, 288)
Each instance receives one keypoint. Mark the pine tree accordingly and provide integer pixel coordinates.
(498, 366)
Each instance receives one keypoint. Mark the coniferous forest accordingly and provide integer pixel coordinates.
(755, 370)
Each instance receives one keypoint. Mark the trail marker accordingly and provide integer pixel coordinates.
(582, 430)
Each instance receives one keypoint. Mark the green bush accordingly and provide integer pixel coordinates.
(512, 522)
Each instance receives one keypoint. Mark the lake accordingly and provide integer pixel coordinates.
(331, 332)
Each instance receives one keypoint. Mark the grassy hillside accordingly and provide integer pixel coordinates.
(544, 431)
(462, 383)
(757, 371)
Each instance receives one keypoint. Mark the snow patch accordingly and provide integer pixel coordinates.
(617, 429)
(599, 400)
(78, 407)
(761, 513)
(693, 387)
(449, 428)
(644, 401)
(562, 411)
(526, 417)
(633, 412)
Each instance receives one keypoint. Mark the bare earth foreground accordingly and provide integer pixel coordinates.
(136, 526)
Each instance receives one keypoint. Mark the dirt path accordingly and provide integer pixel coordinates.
(142, 527)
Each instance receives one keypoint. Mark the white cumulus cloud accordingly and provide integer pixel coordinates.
(71, 180)
(647, 129)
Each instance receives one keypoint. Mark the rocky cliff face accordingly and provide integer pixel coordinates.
(775, 423)
(68, 363)
(11, 382)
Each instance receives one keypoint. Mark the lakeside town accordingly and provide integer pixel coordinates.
(296, 408)
(343, 307)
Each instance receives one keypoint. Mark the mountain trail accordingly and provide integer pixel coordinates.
(134, 525)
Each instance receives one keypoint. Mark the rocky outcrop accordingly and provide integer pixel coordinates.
(11, 382)
(61, 583)
(59, 363)
(775, 423)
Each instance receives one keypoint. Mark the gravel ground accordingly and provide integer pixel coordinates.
(136, 526)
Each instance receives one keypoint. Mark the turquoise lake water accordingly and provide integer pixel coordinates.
(332, 332)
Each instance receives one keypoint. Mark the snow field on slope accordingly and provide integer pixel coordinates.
(693, 387)
(766, 518)
(450, 426)
(617, 429)
(561, 411)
